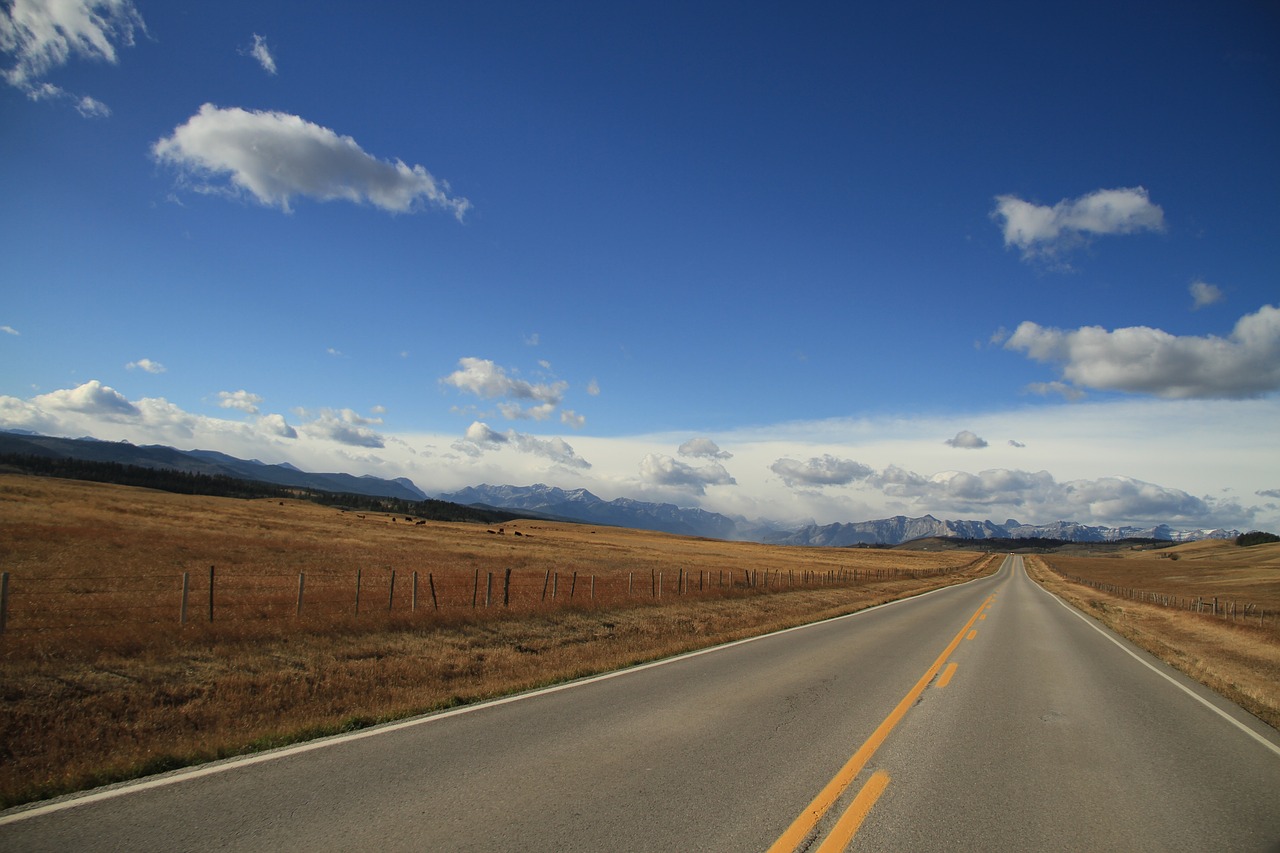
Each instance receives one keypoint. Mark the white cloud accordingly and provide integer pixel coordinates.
(825, 470)
(275, 156)
(487, 380)
(593, 388)
(9, 330)
(1203, 293)
(480, 436)
(1143, 360)
(704, 448)
(1016, 443)
(146, 365)
(661, 470)
(1041, 231)
(277, 425)
(242, 400)
(43, 35)
(968, 440)
(572, 419)
(91, 398)
(262, 53)
(345, 427)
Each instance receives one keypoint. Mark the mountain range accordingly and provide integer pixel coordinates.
(583, 506)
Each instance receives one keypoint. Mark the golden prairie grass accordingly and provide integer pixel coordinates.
(85, 706)
(1239, 660)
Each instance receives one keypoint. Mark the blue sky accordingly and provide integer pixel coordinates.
(833, 262)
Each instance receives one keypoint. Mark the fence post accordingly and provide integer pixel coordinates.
(631, 576)
(4, 600)
(555, 584)
(302, 582)
(182, 614)
(431, 579)
(358, 591)
(475, 589)
(413, 594)
(593, 587)
(391, 596)
(488, 588)
(211, 593)
(506, 590)
(545, 580)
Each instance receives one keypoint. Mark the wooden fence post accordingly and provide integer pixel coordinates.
(545, 580)
(413, 594)
(488, 588)
(211, 593)
(358, 571)
(302, 582)
(431, 579)
(593, 587)
(506, 590)
(475, 589)
(186, 585)
(391, 596)
(573, 585)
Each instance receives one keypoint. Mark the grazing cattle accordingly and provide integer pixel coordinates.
(419, 522)
(491, 531)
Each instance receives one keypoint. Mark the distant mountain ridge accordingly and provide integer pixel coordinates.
(899, 529)
(583, 506)
(209, 462)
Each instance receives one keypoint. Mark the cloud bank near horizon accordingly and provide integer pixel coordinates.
(844, 488)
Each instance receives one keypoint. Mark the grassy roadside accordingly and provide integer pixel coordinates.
(1240, 662)
(79, 723)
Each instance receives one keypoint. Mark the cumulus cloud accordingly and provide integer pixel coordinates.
(703, 448)
(274, 156)
(480, 436)
(146, 365)
(242, 400)
(1268, 493)
(966, 439)
(1142, 360)
(1203, 293)
(277, 425)
(1041, 231)
(9, 330)
(661, 470)
(43, 35)
(345, 427)
(259, 51)
(487, 380)
(570, 418)
(91, 398)
(825, 470)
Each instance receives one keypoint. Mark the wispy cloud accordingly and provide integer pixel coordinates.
(259, 51)
(146, 365)
(480, 437)
(274, 157)
(1142, 360)
(1041, 231)
(9, 330)
(43, 35)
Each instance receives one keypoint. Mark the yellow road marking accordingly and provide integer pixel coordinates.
(945, 678)
(972, 634)
(827, 797)
(851, 821)
(982, 618)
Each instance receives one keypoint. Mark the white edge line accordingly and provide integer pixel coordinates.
(385, 728)
(1196, 696)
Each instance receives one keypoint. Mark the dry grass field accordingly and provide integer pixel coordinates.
(102, 682)
(1239, 658)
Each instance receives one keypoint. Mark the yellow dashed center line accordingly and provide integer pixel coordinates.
(827, 797)
(851, 821)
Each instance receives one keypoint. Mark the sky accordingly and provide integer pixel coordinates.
(822, 262)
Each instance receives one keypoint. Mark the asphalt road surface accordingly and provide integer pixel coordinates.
(987, 716)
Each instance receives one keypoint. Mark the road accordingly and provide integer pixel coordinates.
(986, 716)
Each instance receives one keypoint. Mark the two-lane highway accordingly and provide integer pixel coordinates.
(983, 716)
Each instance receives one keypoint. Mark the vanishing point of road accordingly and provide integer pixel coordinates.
(986, 716)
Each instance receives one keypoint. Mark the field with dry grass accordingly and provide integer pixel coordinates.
(102, 680)
(1234, 654)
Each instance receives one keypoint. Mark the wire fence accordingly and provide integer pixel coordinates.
(1237, 611)
(40, 604)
